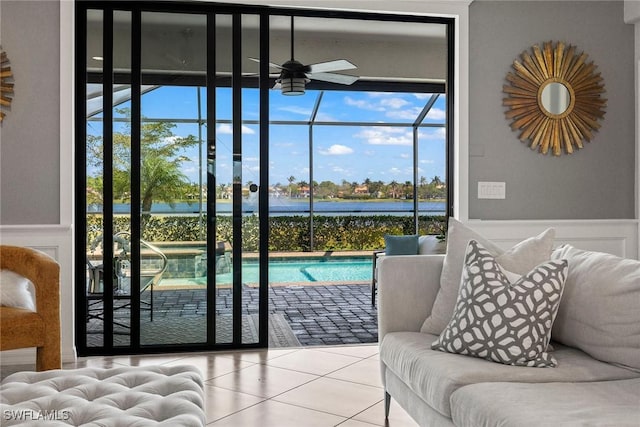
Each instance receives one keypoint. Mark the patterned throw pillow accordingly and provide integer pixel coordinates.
(500, 321)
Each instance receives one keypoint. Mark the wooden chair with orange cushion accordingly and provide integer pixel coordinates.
(20, 328)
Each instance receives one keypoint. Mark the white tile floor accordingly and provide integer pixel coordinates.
(311, 387)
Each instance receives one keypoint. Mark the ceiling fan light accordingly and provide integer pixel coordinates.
(292, 85)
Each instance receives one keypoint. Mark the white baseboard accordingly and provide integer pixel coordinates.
(56, 241)
(27, 356)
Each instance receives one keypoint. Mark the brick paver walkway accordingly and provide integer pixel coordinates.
(318, 315)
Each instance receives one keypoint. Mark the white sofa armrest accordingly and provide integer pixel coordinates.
(407, 288)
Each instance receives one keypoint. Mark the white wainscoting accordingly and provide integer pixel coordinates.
(56, 241)
(618, 237)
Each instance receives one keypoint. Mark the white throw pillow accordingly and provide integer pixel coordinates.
(16, 291)
(520, 259)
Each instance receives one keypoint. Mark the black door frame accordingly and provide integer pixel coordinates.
(210, 10)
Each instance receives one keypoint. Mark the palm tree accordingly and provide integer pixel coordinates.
(394, 187)
(161, 178)
(291, 180)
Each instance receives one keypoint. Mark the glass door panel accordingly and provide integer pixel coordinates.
(221, 168)
(94, 173)
(250, 180)
(173, 246)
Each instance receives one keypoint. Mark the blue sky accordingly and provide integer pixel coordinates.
(351, 153)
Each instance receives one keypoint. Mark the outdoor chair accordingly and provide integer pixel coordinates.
(150, 275)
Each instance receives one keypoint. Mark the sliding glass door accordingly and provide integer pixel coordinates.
(162, 99)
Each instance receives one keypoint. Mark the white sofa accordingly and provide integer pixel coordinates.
(596, 341)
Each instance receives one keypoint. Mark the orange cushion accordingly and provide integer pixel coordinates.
(20, 328)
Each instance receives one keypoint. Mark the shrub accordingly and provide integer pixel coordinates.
(286, 233)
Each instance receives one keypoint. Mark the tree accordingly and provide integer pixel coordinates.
(161, 160)
(407, 190)
(394, 188)
(291, 180)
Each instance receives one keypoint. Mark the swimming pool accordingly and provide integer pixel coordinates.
(306, 270)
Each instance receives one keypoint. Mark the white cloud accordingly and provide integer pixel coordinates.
(395, 171)
(337, 150)
(386, 136)
(406, 114)
(296, 110)
(227, 129)
(433, 133)
(393, 102)
(437, 114)
(362, 104)
(405, 156)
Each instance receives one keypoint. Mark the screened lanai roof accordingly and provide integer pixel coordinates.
(315, 107)
(121, 94)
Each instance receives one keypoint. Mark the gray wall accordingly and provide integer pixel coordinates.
(596, 182)
(30, 134)
(593, 183)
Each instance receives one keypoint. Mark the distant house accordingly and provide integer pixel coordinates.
(361, 189)
(304, 191)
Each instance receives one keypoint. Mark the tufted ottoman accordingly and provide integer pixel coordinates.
(128, 396)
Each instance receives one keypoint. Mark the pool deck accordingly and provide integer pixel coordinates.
(326, 314)
(318, 313)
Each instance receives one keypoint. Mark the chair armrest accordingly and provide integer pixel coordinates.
(43, 271)
(407, 288)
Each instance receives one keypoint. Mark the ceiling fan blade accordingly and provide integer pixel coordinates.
(277, 86)
(271, 64)
(342, 79)
(337, 65)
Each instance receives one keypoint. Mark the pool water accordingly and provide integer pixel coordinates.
(307, 270)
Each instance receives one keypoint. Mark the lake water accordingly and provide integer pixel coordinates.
(281, 207)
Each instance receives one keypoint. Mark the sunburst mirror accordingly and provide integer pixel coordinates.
(6, 86)
(554, 98)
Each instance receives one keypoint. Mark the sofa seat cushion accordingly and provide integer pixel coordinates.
(20, 328)
(434, 375)
(126, 396)
(602, 403)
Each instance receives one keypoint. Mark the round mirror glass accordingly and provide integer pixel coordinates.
(555, 98)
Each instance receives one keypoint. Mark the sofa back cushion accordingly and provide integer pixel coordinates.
(600, 309)
(520, 259)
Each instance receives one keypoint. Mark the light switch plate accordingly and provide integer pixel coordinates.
(492, 190)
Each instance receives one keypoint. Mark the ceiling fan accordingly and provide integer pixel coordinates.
(294, 75)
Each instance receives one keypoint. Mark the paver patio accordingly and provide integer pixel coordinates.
(327, 314)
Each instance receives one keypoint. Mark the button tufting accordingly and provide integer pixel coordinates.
(152, 395)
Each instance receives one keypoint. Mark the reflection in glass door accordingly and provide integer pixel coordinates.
(172, 179)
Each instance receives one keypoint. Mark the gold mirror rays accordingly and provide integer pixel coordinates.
(554, 71)
(6, 88)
